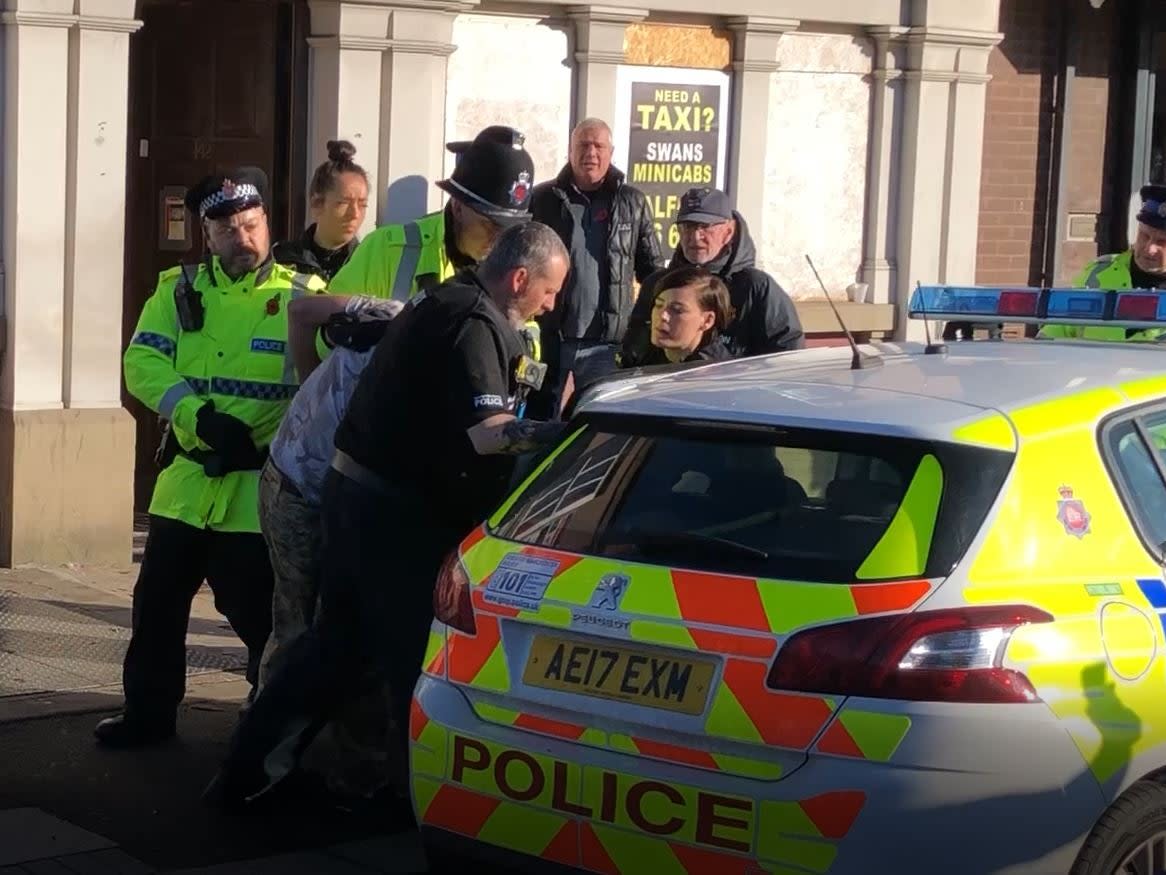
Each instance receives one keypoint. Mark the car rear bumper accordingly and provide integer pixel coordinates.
(554, 801)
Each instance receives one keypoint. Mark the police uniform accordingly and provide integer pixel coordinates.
(210, 355)
(1117, 272)
(406, 484)
(494, 176)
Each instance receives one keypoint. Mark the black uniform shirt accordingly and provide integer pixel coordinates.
(445, 364)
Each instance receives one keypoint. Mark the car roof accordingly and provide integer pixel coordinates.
(912, 394)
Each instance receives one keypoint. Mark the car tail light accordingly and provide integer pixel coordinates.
(452, 604)
(931, 656)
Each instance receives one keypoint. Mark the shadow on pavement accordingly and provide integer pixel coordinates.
(147, 802)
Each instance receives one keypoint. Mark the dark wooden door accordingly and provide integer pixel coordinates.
(213, 84)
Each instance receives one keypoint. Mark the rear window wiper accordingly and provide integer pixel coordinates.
(650, 541)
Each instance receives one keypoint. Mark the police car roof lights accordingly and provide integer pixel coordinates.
(1120, 309)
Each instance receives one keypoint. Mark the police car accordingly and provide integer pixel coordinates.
(807, 613)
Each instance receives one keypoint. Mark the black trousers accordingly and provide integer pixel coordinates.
(178, 558)
(380, 561)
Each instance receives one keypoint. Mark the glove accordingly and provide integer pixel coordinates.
(366, 307)
(230, 438)
(357, 334)
(221, 431)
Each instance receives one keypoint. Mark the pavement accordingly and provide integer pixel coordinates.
(67, 806)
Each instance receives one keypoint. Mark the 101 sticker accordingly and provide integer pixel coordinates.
(520, 581)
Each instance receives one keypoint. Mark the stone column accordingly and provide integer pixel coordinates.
(413, 83)
(599, 50)
(755, 43)
(344, 102)
(941, 155)
(378, 70)
(882, 193)
(66, 445)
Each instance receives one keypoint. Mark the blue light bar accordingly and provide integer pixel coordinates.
(1124, 308)
(1077, 304)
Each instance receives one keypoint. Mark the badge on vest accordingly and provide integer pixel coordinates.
(262, 344)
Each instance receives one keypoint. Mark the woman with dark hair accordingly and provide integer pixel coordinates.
(338, 201)
(689, 314)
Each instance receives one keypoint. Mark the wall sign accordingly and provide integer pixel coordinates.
(671, 129)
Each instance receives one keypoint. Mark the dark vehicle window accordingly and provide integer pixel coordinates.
(1139, 478)
(793, 504)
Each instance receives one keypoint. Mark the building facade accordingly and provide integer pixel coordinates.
(851, 132)
(1076, 125)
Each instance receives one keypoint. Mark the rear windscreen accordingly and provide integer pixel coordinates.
(788, 504)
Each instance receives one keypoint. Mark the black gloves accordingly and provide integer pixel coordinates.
(230, 438)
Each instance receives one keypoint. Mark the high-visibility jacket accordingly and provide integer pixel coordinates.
(239, 359)
(1109, 272)
(394, 261)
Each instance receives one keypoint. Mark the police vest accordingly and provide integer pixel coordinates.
(395, 261)
(239, 359)
(1112, 273)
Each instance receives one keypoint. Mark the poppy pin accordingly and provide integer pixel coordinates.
(273, 305)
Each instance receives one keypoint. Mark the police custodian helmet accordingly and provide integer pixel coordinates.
(494, 175)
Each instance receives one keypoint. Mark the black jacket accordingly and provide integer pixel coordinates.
(307, 257)
(633, 249)
(714, 349)
(766, 319)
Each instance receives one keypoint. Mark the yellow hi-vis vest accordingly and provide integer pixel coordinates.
(239, 359)
(392, 260)
(1109, 272)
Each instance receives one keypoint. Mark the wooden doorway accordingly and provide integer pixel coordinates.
(213, 84)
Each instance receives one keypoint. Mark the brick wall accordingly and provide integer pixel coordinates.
(1017, 143)
(1090, 190)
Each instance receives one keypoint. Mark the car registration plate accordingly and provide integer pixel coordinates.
(626, 674)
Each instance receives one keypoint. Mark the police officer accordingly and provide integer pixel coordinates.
(338, 201)
(423, 454)
(210, 355)
(1142, 266)
(489, 190)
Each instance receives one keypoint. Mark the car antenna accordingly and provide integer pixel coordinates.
(931, 348)
(859, 362)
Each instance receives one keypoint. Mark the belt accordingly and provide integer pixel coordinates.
(344, 464)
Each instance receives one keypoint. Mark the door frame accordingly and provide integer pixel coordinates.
(288, 179)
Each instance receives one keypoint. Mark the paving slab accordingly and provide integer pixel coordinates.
(399, 853)
(284, 864)
(28, 834)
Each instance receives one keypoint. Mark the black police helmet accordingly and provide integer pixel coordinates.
(494, 175)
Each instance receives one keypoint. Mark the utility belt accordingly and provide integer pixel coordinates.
(344, 464)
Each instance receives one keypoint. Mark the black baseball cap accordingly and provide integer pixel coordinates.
(493, 176)
(706, 206)
(220, 195)
(1153, 211)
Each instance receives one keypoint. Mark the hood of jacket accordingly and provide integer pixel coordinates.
(739, 255)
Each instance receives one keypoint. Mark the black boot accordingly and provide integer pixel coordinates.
(127, 732)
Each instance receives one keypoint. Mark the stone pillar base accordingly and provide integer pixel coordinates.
(66, 487)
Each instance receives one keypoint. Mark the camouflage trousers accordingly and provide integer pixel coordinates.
(353, 750)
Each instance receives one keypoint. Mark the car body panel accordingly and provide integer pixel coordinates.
(832, 783)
